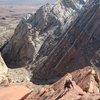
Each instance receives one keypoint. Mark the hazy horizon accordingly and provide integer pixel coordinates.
(26, 2)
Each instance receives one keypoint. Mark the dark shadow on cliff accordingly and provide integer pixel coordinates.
(81, 60)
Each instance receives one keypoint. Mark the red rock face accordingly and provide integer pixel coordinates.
(82, 84)
(88, 79)
(66, 88)
(63, 89)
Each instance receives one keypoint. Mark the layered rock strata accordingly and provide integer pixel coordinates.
(37, 35)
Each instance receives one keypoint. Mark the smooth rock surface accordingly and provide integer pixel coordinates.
(88, 79)
(13, 92)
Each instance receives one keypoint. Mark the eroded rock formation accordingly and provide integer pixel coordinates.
(88, 79)
(82, 84)
(79, 47)
(37, 35)
(59, 39)
(53, 39)
(3, 70)
(66, 88)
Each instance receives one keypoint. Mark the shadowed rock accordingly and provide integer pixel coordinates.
(77, 47)
(37, 35)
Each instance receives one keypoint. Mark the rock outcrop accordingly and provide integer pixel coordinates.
(3, 67)
(58, 39)
(66, 89)
(79, 47)
(13, 92)
(82, 84)
(37, 35)
(3, 70)
(5, 36)
(53, 39)
(88, 79)
(62, 90)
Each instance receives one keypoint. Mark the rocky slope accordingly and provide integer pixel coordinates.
(79, 47)
(83, 84)
(37, 35)
(3, 71)
(57, 40)
(66, 88)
